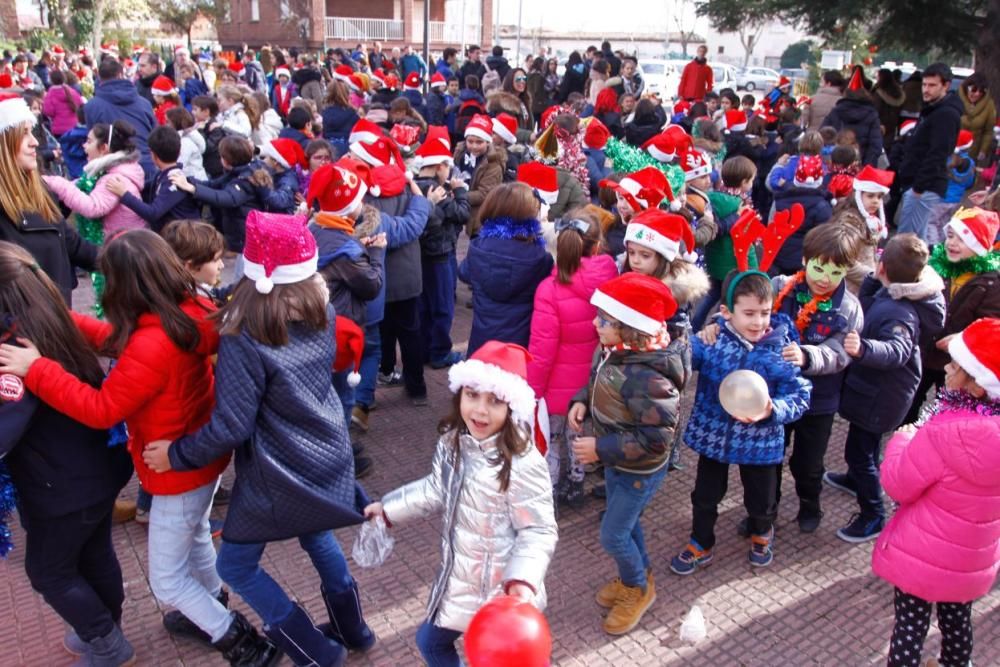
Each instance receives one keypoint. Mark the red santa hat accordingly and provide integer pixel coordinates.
(542, 178)
(279, 250)
(14, 111)
(286, 152)
(365, 131)
(379, 153)
(335, 189)
(682, 106)
(58, 50)
(695, 165)
(481, 126)
(976, 227)
(438, 80)
(436, 148)
(7, 81)
(809, 172)
(636, 300)
(976, 351)
(412, 81)
(803, 101)
(964, 141)
(736, 120)
(642, 189)
(406, 137)
(343, 73)
(83, 51)
(663, 233)
(546, 118)
(661, 147)
(238, 67)
(356, 83)
(682, 140)
(502, 370)
(379, 78)
(282, 71)
(137, 49)
(163, 86)
(596, 135)
(783, 82)
(906, 127)
(350, 349)
(505, 126)
(391, 82)
(871, 179)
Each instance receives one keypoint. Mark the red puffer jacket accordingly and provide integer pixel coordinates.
(159, 390)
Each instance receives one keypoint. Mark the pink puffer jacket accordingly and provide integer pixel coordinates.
(943, 543)
(563, 338)
(101, 204)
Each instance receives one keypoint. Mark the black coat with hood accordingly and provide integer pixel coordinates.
(930, 146)
(861, 117)
(232, 196)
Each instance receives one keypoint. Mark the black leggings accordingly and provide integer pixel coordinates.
(913, 620)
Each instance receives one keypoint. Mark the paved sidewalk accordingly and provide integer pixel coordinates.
(817, 605)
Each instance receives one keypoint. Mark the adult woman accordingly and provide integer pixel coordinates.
(552, 78)
(573, 79)
(338, 116)
(856, 111)
(516, 84)
(541, 98)
(28, 216)
(888, 98)
(980, 115)
(598, 79)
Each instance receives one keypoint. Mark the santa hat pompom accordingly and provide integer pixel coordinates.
(264, 285)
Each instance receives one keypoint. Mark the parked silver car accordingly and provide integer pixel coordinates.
(757, 78)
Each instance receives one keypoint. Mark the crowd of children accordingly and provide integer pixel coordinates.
(611, 257)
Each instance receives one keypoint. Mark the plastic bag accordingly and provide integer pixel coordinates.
(373, 544)
(693, 628)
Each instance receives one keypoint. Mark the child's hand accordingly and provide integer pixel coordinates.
(943, 343)
(116, 185)
(377, 241)
(155, 456)
(457, 183)
(852, 344)
(753, 420)
(180, 181)
(794, 355)
(585, 449)
(521, 591)
(372, 511)
(17, 360)
(709, 334)
(577, 413)
(436, 194)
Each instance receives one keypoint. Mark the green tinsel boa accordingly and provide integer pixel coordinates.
(627, 159)
(93, 231)
(978, 264)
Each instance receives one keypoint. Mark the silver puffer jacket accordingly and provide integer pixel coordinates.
(488, 537)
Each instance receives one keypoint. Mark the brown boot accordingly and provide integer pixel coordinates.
(609, 592)
(359, 418)
(631, 604)
(124, 511)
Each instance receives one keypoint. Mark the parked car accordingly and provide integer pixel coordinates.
(757, 78)
(724, 76)
(795, 74)
(661, 77)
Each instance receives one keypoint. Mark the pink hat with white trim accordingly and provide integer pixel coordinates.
(279, 250)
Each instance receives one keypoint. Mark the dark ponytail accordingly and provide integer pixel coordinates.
(121, 133)
(579, 236)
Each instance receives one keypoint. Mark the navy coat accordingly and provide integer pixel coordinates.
(118, 100)
(168, 204)
(816, 202)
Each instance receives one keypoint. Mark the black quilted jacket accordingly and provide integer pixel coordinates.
(277, 408)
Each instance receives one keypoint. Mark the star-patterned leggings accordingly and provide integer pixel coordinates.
(913, 620)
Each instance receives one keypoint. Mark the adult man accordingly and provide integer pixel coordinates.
(375, 57)
(446, 64)
(830, 90)
(498, 63)
(149, 69)
(411, 62)
(696, 80)
(116, 99)
(923, 174)
(472, 64)
(613, 60)
(182, 57)
(253, 73)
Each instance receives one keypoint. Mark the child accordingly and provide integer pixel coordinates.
(638, 191)
(504, 485)
(944, 475)
(844, 166)
(505, 142)
(192, 152)
(806, 190)
(199, 246)
(561, 343)
(698, 180)
(169, 203)
(864, 210)
(282, 157)
(71, 142)
(746, 341)
(782, 174)
(165, 98)
(904, 310)
(65, 473)
(294, 475)
(236, 113)
(283, 91)
(633, 399)
(161, 386)
(205, 108)
(299, 123)
(479, 165)
(504, 266)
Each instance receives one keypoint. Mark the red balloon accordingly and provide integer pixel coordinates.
(506, 632)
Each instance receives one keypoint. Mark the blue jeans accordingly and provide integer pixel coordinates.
(621, 532)
(239, 566)
(916, 211)
(437, 645)
(364, 393)
(437, 306)
(861, 452)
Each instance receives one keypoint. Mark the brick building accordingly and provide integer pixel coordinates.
(317, 24)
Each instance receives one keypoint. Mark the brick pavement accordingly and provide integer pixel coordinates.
(817, 605)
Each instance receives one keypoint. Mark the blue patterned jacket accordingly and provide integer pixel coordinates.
(711, 431)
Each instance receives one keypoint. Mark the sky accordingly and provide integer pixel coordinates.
(594, 15)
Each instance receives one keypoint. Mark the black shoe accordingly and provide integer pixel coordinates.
(861, 529)
(447, 360)
(841, 481)
(180, 625)
(303, 642)
(575, 496)
(599, 491)
(243, 647)
(743, 527)
(347, 626)
(808, 523)
(362, 466)
(419, 401)
(222, 496)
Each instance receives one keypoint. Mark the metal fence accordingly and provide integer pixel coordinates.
(341, 28)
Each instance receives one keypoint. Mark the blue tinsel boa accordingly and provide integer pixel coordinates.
(509, 228)
(8, 502)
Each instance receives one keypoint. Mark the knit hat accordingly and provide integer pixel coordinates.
(695, 165)
(505, 125)
(596, 135)
(438, 80)
(279, 250)
(481, 126)
(976, 227)
(871, 179)
(906, 127)
(662, 232)
(809, 172)
(163, 86)
(436, 148)
(636, 300)
(642, 189)
(286, 152)
(350, 348)
(412, 81)
(502, 370)
(661, 147)
(14, 111)
(282, 71)
(542, 178)
(964, 142)
(365, 131)
(976, 351)
(736, 120)
(335, 189)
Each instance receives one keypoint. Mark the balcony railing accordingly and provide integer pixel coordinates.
(357, 29)
(446, 31)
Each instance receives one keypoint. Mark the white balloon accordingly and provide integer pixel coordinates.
(743, 394)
